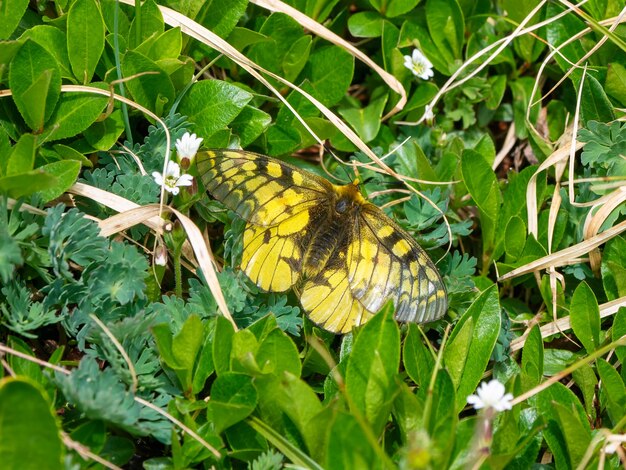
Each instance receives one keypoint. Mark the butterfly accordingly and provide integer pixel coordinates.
(342, 255)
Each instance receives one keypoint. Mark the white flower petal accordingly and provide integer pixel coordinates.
(419, 65)
(185, 180)
(491, 395)
(173, 170)
(187, 146)
(158, 177)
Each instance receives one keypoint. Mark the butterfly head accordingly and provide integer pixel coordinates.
(348, 198)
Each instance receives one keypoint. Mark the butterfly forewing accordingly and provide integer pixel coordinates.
(344, 264)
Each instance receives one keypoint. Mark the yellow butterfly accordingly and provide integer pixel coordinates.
(342, 255)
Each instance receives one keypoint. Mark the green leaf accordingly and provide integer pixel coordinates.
(25, 184)
(594, 104)
(455, 355)
(65, 172)
(296, 58)
(74, 114)
(146, 24)
(614, 268)
(277, 353)
(484, 313)
(180, 351)
(585, 317)
(222, 17)
(348, 446)
(400, 7)
(233, 398)
(85, 38)
(330, 70)
(418, 360)
(10, 14)
(35, 81)
(483, 186)
(587, 382)
(150, 86)
(366, 121)
(373, 367)
(514, 238)
(365, 24)
(619, 330)
(30, 433)
(532, 359)
(22, 156)
(250, 124)
(613, 392)
(212, 104)
(576, 432)
(615, 85)
(222, 348)
(102, 135)
(55, 42)
(446, 26)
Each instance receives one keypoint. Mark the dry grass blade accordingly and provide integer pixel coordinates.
(563, 257)
(321, 31)
(564, 324)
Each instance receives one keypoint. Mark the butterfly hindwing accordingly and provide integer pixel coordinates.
(384, 262)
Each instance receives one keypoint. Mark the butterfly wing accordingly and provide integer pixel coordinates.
(328, 300)
(279, 203)
(260, 189)
(384, 262)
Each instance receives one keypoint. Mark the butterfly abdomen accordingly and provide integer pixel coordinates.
(324, 242)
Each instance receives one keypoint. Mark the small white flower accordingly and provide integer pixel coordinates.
(187, 146)
(173, 179)
(491, 395)
(611, 447)
(419, 65)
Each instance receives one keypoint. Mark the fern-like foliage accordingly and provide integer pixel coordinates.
(99, 394)
(21, 315)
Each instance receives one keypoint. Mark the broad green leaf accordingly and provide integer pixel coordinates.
(365, 24)
(250, 124)
(22, 157)
(522, 89)
(35, 81)
(484, 313)
(615, 85)
(366, 121)
(400, 7)
(526, 45)
(55, 42)
(30, 433)
(348, 446)
(613, 268)
(483, 186)
(594, 104)
(532, 359)
(446, 26)
(585, 317)
(11, 12)
(222, 344)
(373, 367)
(65, 172)
(547, 401)
(456, 351)
(233, 398)
(296, 58)
(418, 360)
(558, 32)
(85, 38)
(277, 353)
(575, 432)
(586, 380)
(285, 400)
(407, 410)
(221, 17)
(167, 45)
(514, 238)
(330, 70)
(149, 23)
(443, 416)
(74, 113)
(619, 330)
(613, 392)
(24, 184)
(102, 135)
(204, 366)
(213, 104)
(150, 85)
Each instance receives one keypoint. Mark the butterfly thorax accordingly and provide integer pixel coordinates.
(329, 238)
